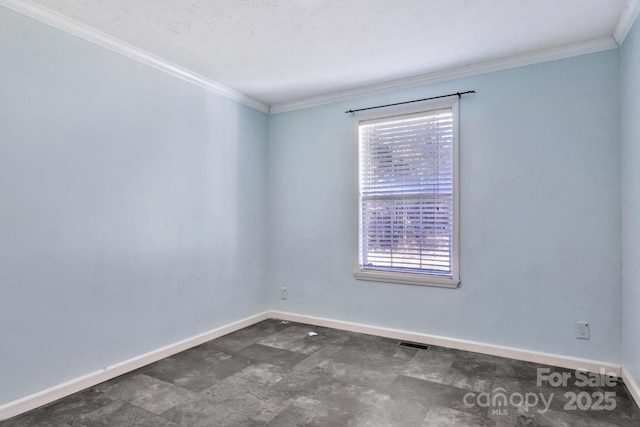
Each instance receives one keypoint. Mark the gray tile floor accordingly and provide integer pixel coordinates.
(275, 374)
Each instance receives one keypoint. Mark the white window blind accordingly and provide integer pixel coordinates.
(406, 190)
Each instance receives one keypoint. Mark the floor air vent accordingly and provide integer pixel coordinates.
(413, 345)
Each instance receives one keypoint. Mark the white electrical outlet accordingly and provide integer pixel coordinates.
(283, 293)
(582, 330)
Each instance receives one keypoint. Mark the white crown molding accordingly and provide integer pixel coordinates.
(560, 52)
(625, 23)
(59, 391)
(92, 35)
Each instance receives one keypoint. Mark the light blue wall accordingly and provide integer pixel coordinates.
(540, 213)
(131, 208)
(630, 101)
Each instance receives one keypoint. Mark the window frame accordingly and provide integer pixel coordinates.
(409, 278)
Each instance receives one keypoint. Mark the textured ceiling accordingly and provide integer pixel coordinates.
(283, 50)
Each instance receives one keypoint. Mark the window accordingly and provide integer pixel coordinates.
(408, 197)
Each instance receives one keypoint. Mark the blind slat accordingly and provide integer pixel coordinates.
(406, 186)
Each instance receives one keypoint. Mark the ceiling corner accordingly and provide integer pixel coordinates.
(94, 36)
(627, 18)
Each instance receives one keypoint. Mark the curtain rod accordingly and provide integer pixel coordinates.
(458, 94)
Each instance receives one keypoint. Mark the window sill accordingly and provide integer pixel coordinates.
(406, 278)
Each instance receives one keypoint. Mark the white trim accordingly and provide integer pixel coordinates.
(473, 346)
(582, 48)
(625, 23)
(408, 278)
(59, 391)
(92, 35)
(632, 386)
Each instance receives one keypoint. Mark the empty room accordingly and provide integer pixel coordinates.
(319, 213)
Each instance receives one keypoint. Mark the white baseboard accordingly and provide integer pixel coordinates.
(477, 347)
(52, 394)
(632, 385)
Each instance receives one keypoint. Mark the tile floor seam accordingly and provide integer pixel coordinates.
(272, 374)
